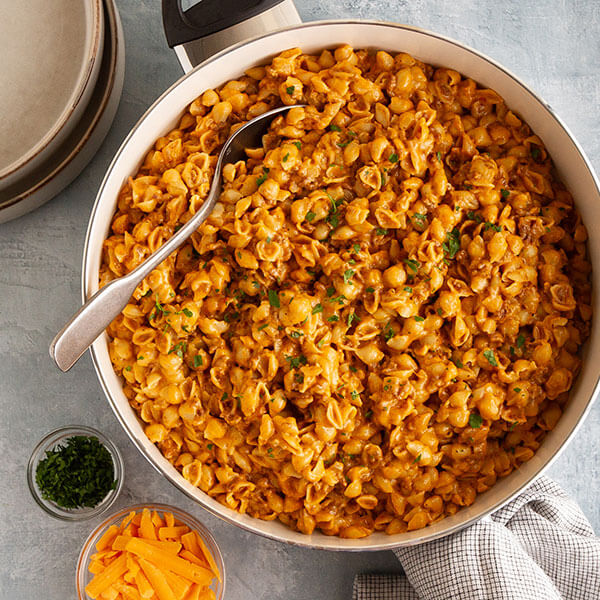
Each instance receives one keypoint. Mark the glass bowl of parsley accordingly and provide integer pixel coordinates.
(75, 473)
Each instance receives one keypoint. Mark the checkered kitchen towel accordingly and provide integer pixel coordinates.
(540, 546)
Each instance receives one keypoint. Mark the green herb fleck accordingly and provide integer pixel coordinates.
(298, 145)
(520, 340)
(333, 319)
(263, 326)
(452, 244)
(274, 299)
(505, 193)
(381, 231)
(348, 274)
(188, 313)
(393, 157)
(285, 158)
(370, 290)
(412, 264)
(489, 225)
(518, 390)
(475, 420)
(296, 334)
(417, 460)
(418, 319)
(408, 289)
(489, 354)
(334, 127)
(197, 361)
(290, 89)
(458, 363)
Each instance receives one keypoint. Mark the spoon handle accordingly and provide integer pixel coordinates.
(103, 307)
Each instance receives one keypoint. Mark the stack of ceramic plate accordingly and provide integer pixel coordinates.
(60, 83)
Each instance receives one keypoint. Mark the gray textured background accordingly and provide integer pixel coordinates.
(553, 45)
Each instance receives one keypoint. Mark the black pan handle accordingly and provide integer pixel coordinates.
(207, 17)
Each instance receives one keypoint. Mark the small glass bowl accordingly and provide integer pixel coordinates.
(83, 576)
(49, 442)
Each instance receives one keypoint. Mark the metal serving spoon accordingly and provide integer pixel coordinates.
(104, 306)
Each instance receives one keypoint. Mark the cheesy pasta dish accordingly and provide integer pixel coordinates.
(383, 313)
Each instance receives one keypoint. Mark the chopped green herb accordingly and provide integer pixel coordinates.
(188, 313)
(333, 319)
(330, 291)
(334, 127)
(420, 219)
(353, 368)
(520, 340)
(452, 244)
(296, 361)
(474, 217)
(417, 459)
(489, 225)
(147, 293)
(224, 396)
(348, 274)
(370, 290)
(368, 414)
(310, 215)
(274, 299)
(489, 354)
(393, 157)
(260, 180)
(78, 474)
(320, 343)
(317, 309)
(388, 333)
(504, 193)
(285, 158)
(381, 231)
(412, 264)
(179, 349)
(299, 377)
(518, 390)
(458, 363)
(439, 311)
(263, 326)
(439, 156)
(408, 289)
(128, 368)
(418, 319)
(210, 446)
(356, 248)
(535, 152)
(290, 89)
(475, 420)
(296, 334)
(298, 145)
(197, 361)
(351, 317)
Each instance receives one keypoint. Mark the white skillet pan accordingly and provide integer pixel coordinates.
(573, 166)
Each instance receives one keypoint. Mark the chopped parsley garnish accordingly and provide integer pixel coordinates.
(412, 264)
(352, 317)
(368, 414)
(418, 319)
(317, 309)
(408, 289)
(285, 158)
(263, 326)
(452, 244)
(334, 127)
(475, 420)
(296, 334)
(197, 361)
(274, 299)
(504, 193)
(417, 459)
(348, 274)
(489, 225)
(388, 333)
(333, 319)
(330, 291)
(188, 313)
(179, 349)
(290, 89)
(381, 231)
(310, 215)
(296, 361)
(370, 290)
(489, 354)
(474, 217)
(439, 155)
(517, 389)
(420, 219)
(147, 293)
(78, 474)
(520, 340)
(210, 446)
(260, 180)
(393, 157)
(458, 363)
(356, 248)
(355, 395)
(298, 145)
(535, 152)
(353, 368)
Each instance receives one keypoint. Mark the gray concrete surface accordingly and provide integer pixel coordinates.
(553, 45)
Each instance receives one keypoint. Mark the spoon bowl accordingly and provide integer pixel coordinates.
(103, 307)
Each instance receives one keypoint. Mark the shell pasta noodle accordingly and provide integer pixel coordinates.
(382, 316)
